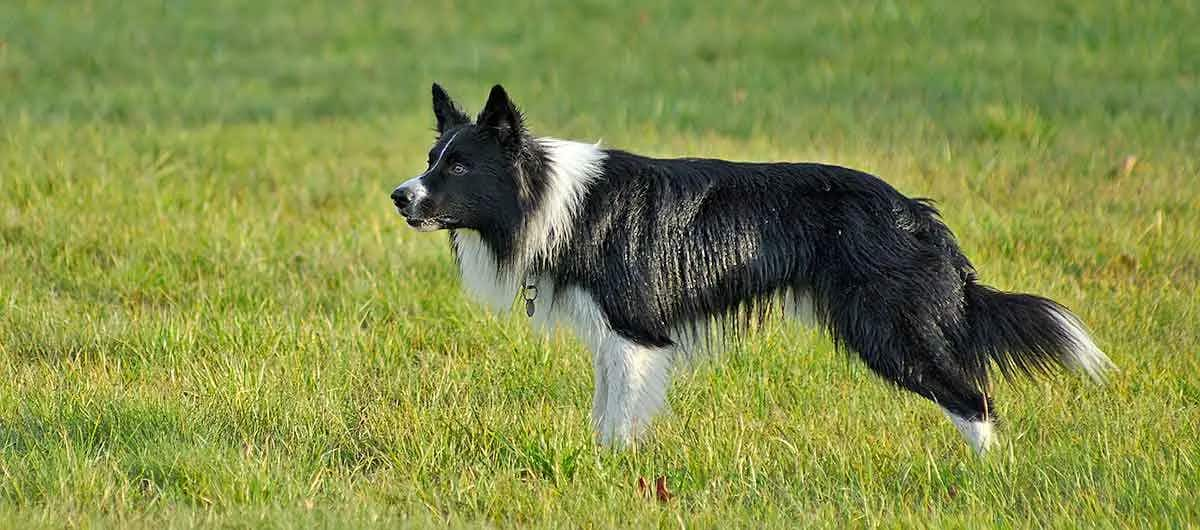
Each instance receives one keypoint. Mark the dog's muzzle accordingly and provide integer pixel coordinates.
(406, 196)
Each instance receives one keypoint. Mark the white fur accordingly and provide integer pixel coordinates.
(1084, 356)
(417, 186)
(482, 276)
(799, 306)
(573, 166)
(631, 380)
(977, 433)
(572, 308)
(634, 380)
(442, 153)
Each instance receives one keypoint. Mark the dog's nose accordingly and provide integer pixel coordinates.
(402, 197)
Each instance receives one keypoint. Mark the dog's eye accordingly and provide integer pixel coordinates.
(458, 170)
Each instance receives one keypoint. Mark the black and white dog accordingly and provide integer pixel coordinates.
(647, 259)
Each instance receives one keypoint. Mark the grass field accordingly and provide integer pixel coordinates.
(211, 315)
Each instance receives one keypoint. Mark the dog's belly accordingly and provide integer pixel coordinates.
(576, 309)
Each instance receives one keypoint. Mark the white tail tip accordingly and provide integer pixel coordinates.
(1082, 354)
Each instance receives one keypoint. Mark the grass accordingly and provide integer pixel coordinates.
(210, 315)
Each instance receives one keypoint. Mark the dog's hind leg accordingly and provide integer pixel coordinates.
(909, 350)
(969, 408)
(631, 388)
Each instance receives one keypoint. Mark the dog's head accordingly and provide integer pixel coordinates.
(473, 176)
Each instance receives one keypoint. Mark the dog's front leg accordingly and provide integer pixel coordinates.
(631, 388)
(600, 391)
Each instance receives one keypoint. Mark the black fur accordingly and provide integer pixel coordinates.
(664, 244)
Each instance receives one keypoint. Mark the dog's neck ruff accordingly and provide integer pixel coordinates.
(571, 168)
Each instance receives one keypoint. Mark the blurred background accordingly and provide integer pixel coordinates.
(807, 70)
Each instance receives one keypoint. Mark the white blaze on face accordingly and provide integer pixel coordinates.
(415, 186)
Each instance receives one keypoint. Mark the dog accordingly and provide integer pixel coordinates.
(651, 261)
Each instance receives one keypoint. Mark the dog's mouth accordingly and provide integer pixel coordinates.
(429, 224)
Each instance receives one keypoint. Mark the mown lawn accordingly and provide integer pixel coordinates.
(211, 316)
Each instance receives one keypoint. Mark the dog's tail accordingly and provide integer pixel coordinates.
(1027, 333)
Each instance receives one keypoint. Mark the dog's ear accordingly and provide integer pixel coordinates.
(447, 113)
(502, 116)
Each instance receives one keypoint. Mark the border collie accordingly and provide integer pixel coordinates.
(649, 261)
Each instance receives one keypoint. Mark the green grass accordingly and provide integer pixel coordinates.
(210, 315)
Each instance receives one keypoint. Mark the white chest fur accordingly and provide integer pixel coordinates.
(481, 274)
